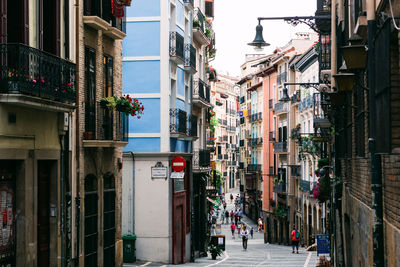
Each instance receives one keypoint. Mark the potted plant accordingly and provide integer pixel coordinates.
(214, 251)
(196, 23)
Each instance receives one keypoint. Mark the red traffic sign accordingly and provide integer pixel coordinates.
(178, 164)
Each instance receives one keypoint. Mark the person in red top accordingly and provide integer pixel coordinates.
(233, 230)
(295, 239)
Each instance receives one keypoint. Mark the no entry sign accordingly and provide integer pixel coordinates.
(178, 164)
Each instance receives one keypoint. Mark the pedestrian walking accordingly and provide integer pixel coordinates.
(231, 216)
(231, 198)
(222, 217)
(227, 216)
(233, 230)
(240, 215)
(295, 239)
(235, 214)
(251, 232)
(245, 237)
(259, 224)
(224, 204)
(239, 227)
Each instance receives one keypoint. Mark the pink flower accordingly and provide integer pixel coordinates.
(34, 81)
(69, 84)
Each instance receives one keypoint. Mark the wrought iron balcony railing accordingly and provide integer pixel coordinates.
(192, 125)
(279, 187)
(201, 158)
(190, 57)
(177, 121)
(280, 147)
(254, 167)
(198, 20)
(281, 107)
(189, 2)
(29, 71)
(96, 8)
(201, 91)
(225, 138)
(176, 45)
(104, 124)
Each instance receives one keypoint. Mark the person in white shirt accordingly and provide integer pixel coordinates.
(245, 236)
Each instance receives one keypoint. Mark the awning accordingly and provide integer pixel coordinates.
(213, 201)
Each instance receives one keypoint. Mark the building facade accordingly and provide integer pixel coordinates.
(164, 63)
(37, 103)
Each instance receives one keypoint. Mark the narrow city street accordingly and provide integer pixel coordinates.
(257, 253)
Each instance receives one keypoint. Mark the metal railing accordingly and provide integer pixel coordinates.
(201, 90)
(30, 71)
(280, 147)
(281, 107)
(190, 56)
(226, 156)
(254, 167)
(198, 20)
(201, 158)
(176, 45)
(96, 8)
(279, 187)
(191, 2)
(177, 121)
(192, 125)
(102, 123)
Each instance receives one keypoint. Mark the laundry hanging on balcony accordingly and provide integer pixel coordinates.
(118, 8)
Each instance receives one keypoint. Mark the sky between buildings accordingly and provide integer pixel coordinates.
(235, 25)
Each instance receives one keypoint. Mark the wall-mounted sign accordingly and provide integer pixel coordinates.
(159, 171)
(177, 175)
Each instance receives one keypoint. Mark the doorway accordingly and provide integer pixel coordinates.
(179, 237)
(91, 216)
(43, 225)
(109, 220)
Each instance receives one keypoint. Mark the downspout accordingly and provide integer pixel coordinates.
(133, 192)
(61, 139)
(376, 168)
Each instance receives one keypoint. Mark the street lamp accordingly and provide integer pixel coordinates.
(285, 97)
(259, 42)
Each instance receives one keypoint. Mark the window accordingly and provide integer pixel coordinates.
(108, 75)
(90, 74)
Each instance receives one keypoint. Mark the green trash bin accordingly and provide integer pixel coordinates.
(129, 255)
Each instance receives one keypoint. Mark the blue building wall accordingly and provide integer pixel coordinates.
(142, 77)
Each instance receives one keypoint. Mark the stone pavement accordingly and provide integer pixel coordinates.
(257, 253)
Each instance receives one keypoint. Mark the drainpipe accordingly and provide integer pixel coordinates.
(61, 140)
(376, 168)
(133, 192)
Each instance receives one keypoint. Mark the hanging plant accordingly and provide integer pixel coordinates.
(125, 104)
(322, 190)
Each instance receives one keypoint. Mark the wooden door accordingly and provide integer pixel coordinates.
(43, 226)
(179, 235)
(91, 221)
(109, 220)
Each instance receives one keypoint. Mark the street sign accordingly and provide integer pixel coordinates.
(177, 175)
(323, 245)
(178, 164)
(159, 171)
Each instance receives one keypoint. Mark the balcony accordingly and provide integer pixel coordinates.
(36, 79)
(104, 127)
(241, 165)
(225, 138)
(177, 123)
(201, 93)
(305, 186)
(272, 136)
(98, 16)
(280, 187)
(255, 117)
(231, 128)
(189, 4)
(219, 156)
(280, 147)
(254, 168)
(210, 142)
(226, 156)
(242, 100)
(201, 159)
(281, 107)
(199, 28)
(190, 59)
(192, 129)
(176, 48)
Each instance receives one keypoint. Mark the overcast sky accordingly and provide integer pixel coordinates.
(235, 24)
